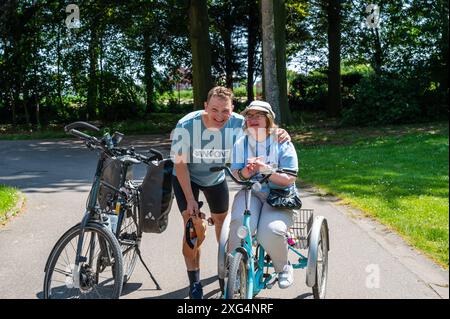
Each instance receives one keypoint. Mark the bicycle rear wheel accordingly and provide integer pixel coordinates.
(100, 273)
(237, 278)
(129, 240)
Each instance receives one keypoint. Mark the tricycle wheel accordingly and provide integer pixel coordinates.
(319, 288)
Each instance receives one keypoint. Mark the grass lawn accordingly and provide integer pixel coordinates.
(402, 180)
(8, 199)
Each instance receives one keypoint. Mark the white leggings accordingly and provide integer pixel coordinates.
(270, 225)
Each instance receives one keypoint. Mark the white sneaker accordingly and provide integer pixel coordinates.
(286, 277)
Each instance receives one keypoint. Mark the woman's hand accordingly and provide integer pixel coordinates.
(256, 164)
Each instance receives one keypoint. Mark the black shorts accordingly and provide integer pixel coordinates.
(217, 196)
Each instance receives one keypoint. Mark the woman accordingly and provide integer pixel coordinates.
(256, 152)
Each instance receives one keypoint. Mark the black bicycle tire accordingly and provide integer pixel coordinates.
(67, 237)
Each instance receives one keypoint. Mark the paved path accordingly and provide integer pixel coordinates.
(365, 261)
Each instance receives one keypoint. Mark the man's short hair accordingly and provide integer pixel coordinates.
(221, 92)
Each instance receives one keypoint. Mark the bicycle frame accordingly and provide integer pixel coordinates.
(92, 209)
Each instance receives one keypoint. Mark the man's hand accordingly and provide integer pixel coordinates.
(283, 136)
(192, 207)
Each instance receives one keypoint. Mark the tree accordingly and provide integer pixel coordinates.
(201, 50)
(273, 20)
(253, 39)
(224, 13)
(334, 58)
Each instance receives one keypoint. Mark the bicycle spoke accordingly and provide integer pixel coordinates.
(68, 259)
(89, 246)
(62, 272)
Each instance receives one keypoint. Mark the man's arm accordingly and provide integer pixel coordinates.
(185, 182)
(283, 135)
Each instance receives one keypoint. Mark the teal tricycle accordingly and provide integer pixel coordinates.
(247, 270)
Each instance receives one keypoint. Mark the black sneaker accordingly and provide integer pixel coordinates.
(196, 291)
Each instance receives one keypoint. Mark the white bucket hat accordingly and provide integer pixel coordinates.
(259, 106)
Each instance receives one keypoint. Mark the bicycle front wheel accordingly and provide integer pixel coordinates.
(99, 275)
(237, 285)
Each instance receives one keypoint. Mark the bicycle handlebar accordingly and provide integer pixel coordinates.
(106, 146)
(82, 135)
(81, 125)
(250, 183)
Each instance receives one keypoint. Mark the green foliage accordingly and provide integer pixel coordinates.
(8, 199)
(371, 99)
(156, 123)
(402, 181)
(309, 92)
(240, 92)
(130, 55)
(389, 99)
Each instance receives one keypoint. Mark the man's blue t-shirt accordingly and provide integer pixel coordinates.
(277, 155)
(205, 147)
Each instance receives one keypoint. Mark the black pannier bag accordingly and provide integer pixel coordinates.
(111, 174)
(156, 196)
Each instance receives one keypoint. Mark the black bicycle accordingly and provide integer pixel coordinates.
(96, 257)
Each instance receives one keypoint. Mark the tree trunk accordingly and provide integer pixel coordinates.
(201, 51)
(274, 57)
(26, 98)
(148, 72)
(58, 68)
(36, 84)
(252, 38)
(226, 36)
(92, 85)
(15, 105)
(378, 55)
(443, 43)
(334, 104)
(101, 95)
(38, 111)
(9, 90)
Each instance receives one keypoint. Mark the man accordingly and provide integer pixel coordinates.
(201, 140)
